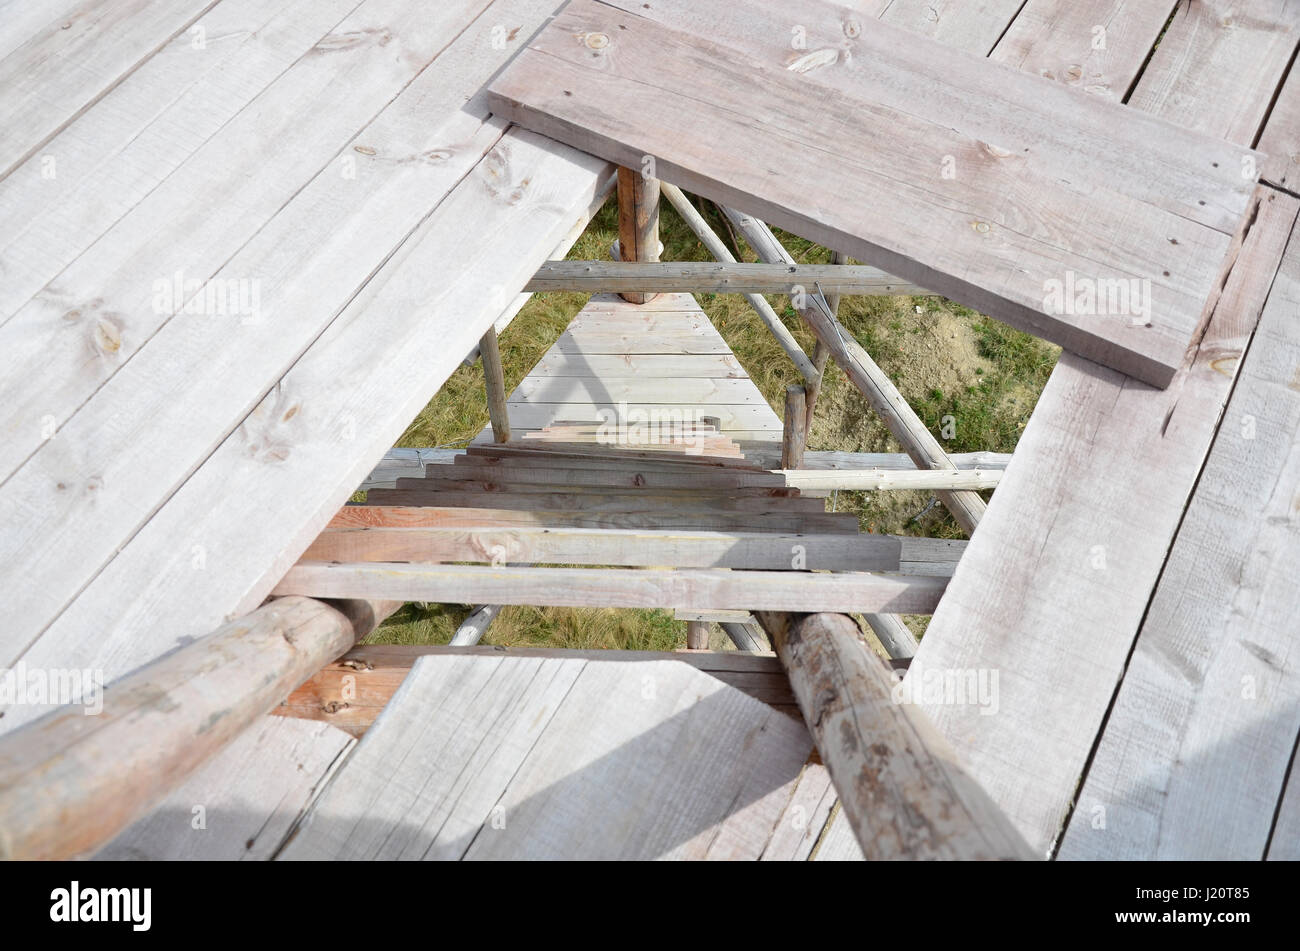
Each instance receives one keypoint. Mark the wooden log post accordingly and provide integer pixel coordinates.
(70, 782)
(821, 353)
(494, 379)
(794, 435)
(747, 637)
(697, 635)
(474, 626)
(638, 222)
(899, 782)
(895, 636)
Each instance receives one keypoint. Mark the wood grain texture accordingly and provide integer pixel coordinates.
(1058, 625)
(72, 780)
(691, 589)
(241, 805)
(1195, 752)
(525, 758)
(899, 783)
(610, 547)
(1219, 65)
(704, 277)
(562, 87)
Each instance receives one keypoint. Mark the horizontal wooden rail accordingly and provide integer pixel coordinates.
(709, 277)
(564, 546)
(821, 480)
(70, 782)
(698, 589)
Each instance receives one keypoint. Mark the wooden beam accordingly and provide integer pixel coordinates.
(352, 691)
(697, 635)
(474, 626)
(70, 782)
(825, 480)
(917, 441)
(638, 223)
(494, 379)
(708, 277)
(898, 780)
(821, 353)
(709, 238)
(894, 635)
(794, 437)
(700, 589)
(561, 546)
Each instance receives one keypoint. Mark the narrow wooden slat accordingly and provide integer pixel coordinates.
(591, 498)
(824, 480)
(632, 476)
(635, 389)
(608, 547)
(698, 589)
(704, 277)
(742, 516)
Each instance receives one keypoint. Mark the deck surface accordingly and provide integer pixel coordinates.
(334, 166)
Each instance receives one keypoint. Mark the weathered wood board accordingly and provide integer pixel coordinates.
(992, 235)
(529, 758)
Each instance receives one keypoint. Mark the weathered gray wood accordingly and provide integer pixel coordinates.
(528, 758)
(746, 636)
(546, 86)
(1075, 607)
(696, 589)
(70, 782)
(917, 441)
(630, 475)
(243, 803)
(895, 637)
(794, 438)
(1195, 752)
(609, 547)
(824, 480)
(494, 379)
(723, 277)
(741, 515)
(898, 780)
(638, 224)
(1248, 47)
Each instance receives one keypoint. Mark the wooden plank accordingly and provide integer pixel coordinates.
(712, 277)
(523, 455)
(546, 87)
(1058, 626)
(66, 789)
(1280, 140)
(695, 589)
(610, 547)
(1284, 843)
(244, 802)
(524, 757)
(825, 480)
(740, 417)
(631, 476)
(1098, 46)
(132, 441)
(738, 517)
(146, 597)
(804, 818)
(614, 501)
(71, 191)
(1194, 755)
(972, 25)
(1219, 65)
(899, 783)
(106, 40)
(350, 693)
(635, 389)
(641, 366)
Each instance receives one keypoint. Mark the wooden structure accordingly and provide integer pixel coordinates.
(245, 241)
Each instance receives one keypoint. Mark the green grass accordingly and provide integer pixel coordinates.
(950, 363)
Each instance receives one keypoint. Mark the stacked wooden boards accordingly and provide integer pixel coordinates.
(947, 170)
(335, 167)
(683, 531)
